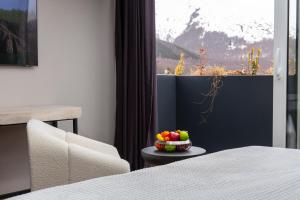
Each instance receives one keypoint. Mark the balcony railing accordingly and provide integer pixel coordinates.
(241, 114)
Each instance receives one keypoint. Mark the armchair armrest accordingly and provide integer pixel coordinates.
(86, 163)
(92, 144)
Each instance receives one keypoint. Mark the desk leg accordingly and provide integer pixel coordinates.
(75, 126)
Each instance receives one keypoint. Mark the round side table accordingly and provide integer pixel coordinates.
(154, 157)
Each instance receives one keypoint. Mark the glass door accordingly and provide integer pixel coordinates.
(286, 119)
(280, 72)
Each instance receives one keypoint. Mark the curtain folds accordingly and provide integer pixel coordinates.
(136, 78)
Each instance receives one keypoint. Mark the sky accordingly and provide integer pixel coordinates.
(18, 4)
(13, 4)
(31, 5)
(172, 16)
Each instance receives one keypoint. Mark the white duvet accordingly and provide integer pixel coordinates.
(239, 174)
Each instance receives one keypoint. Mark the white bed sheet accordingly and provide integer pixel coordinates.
(256, 173)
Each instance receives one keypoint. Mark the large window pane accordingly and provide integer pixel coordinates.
(204, 37)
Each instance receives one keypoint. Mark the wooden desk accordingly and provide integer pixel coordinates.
(52, 113)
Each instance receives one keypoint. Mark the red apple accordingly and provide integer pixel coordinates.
(174, 136)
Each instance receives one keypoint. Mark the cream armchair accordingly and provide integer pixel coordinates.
(58, 157)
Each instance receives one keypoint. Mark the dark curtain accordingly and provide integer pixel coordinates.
(136, 78)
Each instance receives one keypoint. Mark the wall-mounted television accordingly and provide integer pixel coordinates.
(18, 33)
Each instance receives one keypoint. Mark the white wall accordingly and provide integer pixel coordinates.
(76, 67)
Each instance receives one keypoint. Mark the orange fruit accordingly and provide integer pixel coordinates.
(165, 133)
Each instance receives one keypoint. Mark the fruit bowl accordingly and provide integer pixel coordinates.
(173, 146)
(171, 141)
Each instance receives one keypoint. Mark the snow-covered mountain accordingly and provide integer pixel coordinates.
(227, 30)
(252, 20)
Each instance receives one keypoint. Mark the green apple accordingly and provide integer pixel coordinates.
(184, 135)
(170, 148)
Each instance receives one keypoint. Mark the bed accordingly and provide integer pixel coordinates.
(239, 174)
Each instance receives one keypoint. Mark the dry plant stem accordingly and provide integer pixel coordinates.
(217, 83)
(215, 86)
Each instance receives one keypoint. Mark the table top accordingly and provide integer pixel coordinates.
(192, 152)
(21, 115)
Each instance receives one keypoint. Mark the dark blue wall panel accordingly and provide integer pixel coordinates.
(242, 113)
(166, 102)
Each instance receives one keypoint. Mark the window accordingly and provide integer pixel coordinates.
(209, 37)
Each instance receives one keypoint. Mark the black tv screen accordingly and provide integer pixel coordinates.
(18, 32)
